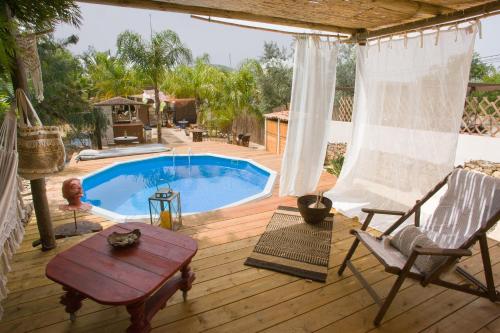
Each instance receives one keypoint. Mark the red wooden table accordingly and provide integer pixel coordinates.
(135, 276)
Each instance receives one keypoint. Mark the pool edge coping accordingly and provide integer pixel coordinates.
(265, 193)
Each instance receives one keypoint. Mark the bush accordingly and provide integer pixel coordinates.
(335, 165)
(334, 159)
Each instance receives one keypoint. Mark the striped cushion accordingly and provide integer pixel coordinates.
(410, 236)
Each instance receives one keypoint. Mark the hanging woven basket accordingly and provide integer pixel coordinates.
(41, 149)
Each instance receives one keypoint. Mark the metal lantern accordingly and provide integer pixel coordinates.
(165, 209)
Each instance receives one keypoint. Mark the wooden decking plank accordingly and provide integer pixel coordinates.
(244, 315)
(491, 327)
(241, 292)
(469, 318)
(227, 296)
(432, 310)
(253, 274)
(358, 320)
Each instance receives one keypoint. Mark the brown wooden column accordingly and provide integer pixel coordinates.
(159, 113)
(38, 191)
(42, 212)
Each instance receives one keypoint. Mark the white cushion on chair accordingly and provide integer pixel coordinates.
(471, 199)
(383, 250)
(410, 236)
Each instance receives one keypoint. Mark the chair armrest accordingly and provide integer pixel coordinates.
(371, 212)
(382, 211)
(442, 252)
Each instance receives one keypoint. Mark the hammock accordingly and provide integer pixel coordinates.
(13, 212)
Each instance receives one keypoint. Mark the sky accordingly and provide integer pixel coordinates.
(226, 45)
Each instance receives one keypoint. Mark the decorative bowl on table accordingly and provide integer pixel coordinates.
(310, 213)
(120, 240)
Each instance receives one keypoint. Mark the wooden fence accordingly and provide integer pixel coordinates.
(250, 124)
(343, 110)
(480, 117)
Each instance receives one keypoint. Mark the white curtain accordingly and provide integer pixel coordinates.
(313, 90)
(408, 103)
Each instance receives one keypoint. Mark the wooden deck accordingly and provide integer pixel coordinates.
(230, 297)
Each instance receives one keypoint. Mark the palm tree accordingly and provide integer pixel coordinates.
(221, 95)
(33, 16)
(109, 76)
(154, 58)
(242, 94)
(199, 81)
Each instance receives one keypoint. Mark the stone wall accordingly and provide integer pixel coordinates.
(334, 151)
(487, 167)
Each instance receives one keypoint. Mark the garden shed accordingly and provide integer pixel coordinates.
(183, 109)
(276, 127)
(122, 115)
(146, 112)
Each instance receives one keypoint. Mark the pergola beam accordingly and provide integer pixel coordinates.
(469, 13)
(415, 7)
(198, 10)
(231, 24)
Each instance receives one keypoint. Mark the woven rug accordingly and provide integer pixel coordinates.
(289, 245)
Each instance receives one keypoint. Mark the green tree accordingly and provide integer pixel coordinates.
(66, 91)
(492, 78)
(109, 76)
(201, 81)
(274, 79)
(346, 71)
(64, 88)
(479, 69)
(6, 95)
(154, 58)
(230, 94)
(31, 16)
(243, 97)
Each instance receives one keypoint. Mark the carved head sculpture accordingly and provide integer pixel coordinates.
(72, 191)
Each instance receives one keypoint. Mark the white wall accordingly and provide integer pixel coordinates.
(477, 147)
(340, 131)
(469, 147)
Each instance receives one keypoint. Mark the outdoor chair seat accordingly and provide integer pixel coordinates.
(389, 256)
(469, 208)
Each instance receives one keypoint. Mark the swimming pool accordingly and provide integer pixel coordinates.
(206, 182)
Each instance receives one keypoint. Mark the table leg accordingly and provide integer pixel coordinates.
(187, 280)
(138, 318)
(72, 300)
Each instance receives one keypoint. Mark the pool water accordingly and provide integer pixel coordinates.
(205, 182)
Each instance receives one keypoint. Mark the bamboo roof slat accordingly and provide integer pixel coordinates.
(117, 101)
(360, 18)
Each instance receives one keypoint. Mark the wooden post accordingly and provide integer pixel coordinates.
(265, 133)
(98, 134)
(98, 138)
(40, 203)
(278, 138)
(42, 212)
(158, 114)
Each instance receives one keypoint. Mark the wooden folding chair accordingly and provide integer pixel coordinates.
(469, 208)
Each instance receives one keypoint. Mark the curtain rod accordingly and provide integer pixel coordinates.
(434, 26)
(209, 19)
